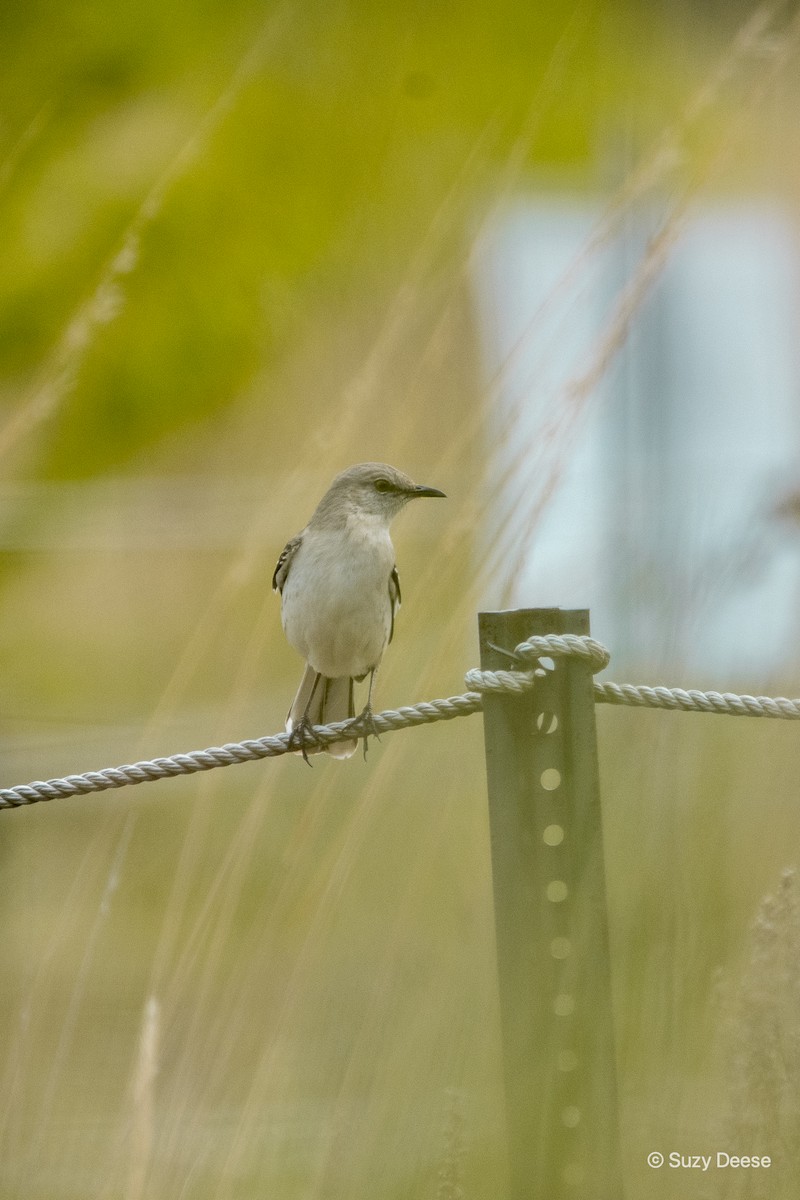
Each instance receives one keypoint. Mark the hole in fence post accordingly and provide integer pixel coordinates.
(546, 722)
(553, 835)
(551, 922)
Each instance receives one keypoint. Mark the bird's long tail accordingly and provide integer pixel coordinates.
(321, 701)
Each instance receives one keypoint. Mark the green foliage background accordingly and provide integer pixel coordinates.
(295, 154)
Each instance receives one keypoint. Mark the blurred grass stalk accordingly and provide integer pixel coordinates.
(759, 1040)
(143, 1100)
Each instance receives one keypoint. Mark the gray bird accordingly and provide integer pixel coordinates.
(339, 594)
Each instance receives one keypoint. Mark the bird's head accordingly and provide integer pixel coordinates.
(372, 488)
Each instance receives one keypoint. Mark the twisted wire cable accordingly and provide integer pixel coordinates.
(512, 682)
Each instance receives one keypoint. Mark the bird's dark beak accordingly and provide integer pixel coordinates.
(426, 491)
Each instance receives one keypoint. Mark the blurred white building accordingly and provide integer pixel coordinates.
(661, 514)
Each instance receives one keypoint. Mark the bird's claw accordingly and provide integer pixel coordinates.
(302, 739)
(368, 727)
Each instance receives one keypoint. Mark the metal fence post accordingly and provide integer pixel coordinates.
(550, 914)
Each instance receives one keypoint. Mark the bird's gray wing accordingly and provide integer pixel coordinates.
(394, 598)
(284, 563)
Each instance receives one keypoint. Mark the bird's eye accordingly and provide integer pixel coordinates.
(382, 485)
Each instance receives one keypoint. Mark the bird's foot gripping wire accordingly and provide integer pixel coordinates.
(302, 739)
(368, 727)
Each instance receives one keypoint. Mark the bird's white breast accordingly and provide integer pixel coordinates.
(336, 607)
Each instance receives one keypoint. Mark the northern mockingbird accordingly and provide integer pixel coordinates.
(339, 595)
